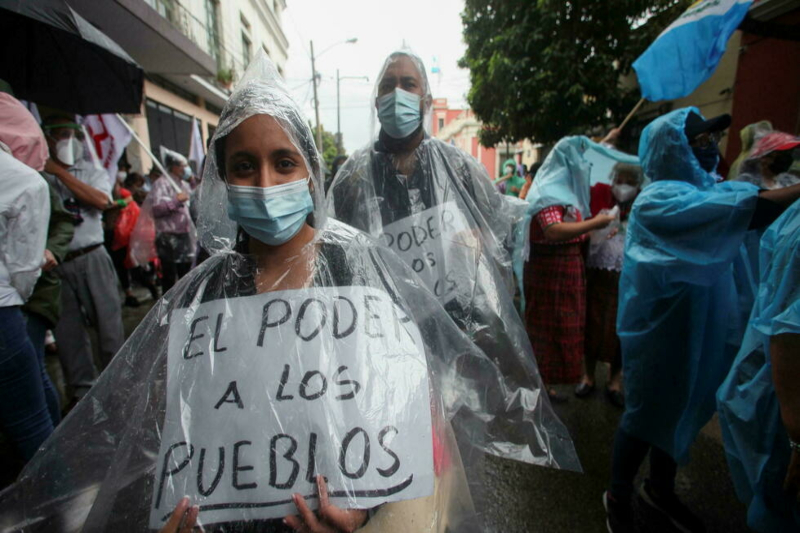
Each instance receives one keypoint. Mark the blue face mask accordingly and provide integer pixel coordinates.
(272, 215)
(398, 113)
(187, 173)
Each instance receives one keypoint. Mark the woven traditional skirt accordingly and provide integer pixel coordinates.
(602, 292)
(555, 312)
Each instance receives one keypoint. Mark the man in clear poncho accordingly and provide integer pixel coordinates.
(759, 404)
(300, 349)
(678, 313)
(436, 207)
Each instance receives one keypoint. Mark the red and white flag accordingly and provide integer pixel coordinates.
(109, 138)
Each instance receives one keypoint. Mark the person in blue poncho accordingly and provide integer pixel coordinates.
(678, 306)
(759, 402)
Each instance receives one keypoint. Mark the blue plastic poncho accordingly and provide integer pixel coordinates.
(565, 178)
(677, 301)
(756, 442)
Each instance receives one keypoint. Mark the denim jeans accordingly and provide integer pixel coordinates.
(629, 453)
(23, 408)
(37, 329)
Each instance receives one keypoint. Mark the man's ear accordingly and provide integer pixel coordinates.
(426, 104)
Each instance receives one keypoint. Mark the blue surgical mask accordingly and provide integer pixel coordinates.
(398, 113)
(272, 215)
(187, 173)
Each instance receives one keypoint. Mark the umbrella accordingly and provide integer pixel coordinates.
(52, 56)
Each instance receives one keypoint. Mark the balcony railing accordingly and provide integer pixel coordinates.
(186, 22)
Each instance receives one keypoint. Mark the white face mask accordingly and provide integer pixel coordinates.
(121, 175)
(69, 150)
(624, 192)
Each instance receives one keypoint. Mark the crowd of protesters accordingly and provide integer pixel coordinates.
(654, 272)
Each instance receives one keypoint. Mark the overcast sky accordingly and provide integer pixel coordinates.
(431, 28)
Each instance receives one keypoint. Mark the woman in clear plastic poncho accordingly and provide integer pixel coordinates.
(298, 342)
(748, 135)
(677, 318)
(436, 207)
(758, 401)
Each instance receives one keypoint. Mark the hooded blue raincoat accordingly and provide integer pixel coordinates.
(677, 298)
(756, 442)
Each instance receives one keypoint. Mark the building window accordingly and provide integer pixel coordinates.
(212, 27)
(441, 124)
(168, 127)
(247, 42)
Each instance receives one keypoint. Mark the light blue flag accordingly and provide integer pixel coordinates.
(688, 51)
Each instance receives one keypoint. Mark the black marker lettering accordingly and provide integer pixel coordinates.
(388, 472)
(288, 455)
(181, 466)
(231, 390)
(343, 455)
(217, 477)
(311, 465)
(192, 338)
(355, 384)
(304, 385)
(217, 332)
(284, 380)
(265, 323)
(336, 333)
(372, 317)
(237, 468)
(301, 315)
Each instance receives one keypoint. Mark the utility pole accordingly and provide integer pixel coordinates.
(338, 118)
(316, 100)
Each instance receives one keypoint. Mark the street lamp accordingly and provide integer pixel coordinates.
(314, 82)
(338, 109)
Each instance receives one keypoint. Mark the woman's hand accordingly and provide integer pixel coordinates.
(331, 519)
(792, 482)
(183, 519)
(601, 221)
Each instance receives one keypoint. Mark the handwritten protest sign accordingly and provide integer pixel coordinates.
(440, 247)
(265, 392)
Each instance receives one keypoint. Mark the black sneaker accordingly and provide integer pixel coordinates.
(671, 507)
(619, 518)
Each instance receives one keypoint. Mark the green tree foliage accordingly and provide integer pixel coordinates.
(542, 69)
(328, 145)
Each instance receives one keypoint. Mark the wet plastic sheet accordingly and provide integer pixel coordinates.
(214, 361)
(683, 235)
(565, 179)
(448, 223)
(756, 443)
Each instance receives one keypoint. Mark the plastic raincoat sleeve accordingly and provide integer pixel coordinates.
(24, 214)
(237, 396)
(756, 443)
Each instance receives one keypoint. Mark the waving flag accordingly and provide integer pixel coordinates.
(109, 137)
(688, 51)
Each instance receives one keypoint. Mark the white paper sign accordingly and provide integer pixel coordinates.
(440, 246)
(264, 392)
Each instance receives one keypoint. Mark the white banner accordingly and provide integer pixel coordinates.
(109, 137)
(439, 245)
(264, 392)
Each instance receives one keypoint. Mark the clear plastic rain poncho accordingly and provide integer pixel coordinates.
(447, 222)
(756, 442)
(566, 177)
(164, 221)
(678, 312)
(236, 392)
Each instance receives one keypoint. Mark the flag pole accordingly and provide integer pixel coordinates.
(633, 112)
(156, 162)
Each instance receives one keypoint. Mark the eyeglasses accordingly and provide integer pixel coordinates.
(706, 138)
